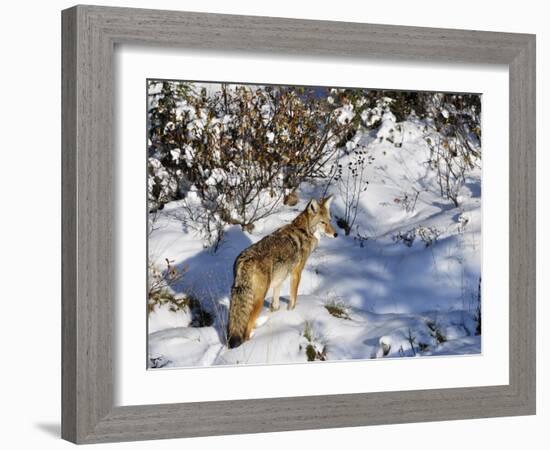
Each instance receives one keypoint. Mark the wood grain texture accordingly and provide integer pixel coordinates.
(523, 224)
(68, 225)
(89, 36)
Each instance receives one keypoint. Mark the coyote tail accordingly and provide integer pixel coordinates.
(242, 303)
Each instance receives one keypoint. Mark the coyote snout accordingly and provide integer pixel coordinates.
(269, 262)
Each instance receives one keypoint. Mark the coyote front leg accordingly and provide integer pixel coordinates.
(294, 283)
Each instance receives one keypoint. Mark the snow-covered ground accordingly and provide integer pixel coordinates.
(408, 287)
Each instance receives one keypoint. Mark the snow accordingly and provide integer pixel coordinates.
(175, 154)
(345, 114)
(408, 272)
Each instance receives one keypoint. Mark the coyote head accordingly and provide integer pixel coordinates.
(319, 217)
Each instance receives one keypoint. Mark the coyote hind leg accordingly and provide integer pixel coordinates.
(275, 301)
(257, 309)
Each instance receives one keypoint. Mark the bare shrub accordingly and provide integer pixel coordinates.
(315, 351)
(161, 281)
(411, 340)
(428, 235)
(352, 182)
(408, 201)
(242, 149)
(435, 331)
(338, 309)
(454, 140)
(478, 309)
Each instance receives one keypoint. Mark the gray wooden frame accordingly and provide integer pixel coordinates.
(89, 36)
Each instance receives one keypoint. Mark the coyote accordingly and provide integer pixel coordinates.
(268, 263)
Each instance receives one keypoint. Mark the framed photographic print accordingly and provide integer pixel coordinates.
(245, 182)
(282, 217)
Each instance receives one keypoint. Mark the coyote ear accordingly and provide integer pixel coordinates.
(313, 206)
(327, 201)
